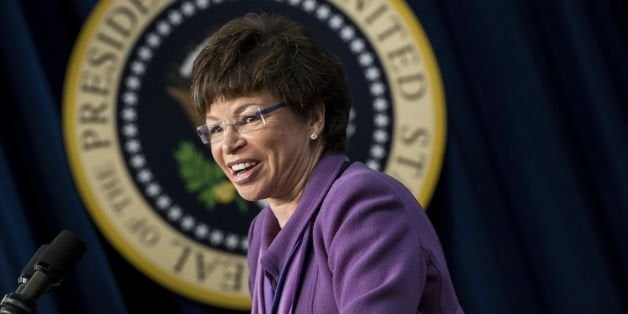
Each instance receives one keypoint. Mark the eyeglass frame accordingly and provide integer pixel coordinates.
(262, 113)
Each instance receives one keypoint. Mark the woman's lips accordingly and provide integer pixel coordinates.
(244, 176)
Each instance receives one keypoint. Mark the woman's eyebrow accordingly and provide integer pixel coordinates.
(236, 113)
(242, 108)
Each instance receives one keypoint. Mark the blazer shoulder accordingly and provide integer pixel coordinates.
(358, 177)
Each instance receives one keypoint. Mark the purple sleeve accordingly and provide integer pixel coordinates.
(374, 252)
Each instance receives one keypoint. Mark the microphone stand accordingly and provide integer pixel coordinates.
(14, 303)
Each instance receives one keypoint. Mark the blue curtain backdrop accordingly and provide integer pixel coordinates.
(531, 205)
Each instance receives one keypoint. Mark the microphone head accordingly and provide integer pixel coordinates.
(62, 253)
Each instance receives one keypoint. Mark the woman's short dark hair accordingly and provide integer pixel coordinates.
(266, 53)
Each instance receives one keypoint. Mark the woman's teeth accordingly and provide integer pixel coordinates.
(242, 166)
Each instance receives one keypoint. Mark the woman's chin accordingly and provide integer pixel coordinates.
(249, 195)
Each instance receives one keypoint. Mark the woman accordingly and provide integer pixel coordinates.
(335, 237)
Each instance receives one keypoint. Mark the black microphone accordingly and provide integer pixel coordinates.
(45, 270)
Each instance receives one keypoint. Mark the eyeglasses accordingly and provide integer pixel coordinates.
(215, 133)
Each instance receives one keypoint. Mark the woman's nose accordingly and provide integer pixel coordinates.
(232, 139)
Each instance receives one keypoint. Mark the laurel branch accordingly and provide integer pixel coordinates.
(204, 178)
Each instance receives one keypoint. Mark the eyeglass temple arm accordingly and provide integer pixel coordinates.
(272, 108)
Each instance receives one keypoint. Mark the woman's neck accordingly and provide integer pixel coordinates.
(284, 207)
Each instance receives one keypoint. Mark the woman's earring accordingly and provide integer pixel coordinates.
(313, 136)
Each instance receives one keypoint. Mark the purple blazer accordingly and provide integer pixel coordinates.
(358, 242)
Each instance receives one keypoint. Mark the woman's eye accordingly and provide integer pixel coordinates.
(250, 119)
(215, 129)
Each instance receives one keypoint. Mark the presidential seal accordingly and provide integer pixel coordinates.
(152, 187)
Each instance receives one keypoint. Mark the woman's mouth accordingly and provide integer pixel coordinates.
(243, 171)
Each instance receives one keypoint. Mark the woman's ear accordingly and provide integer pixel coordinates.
(317, 119)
